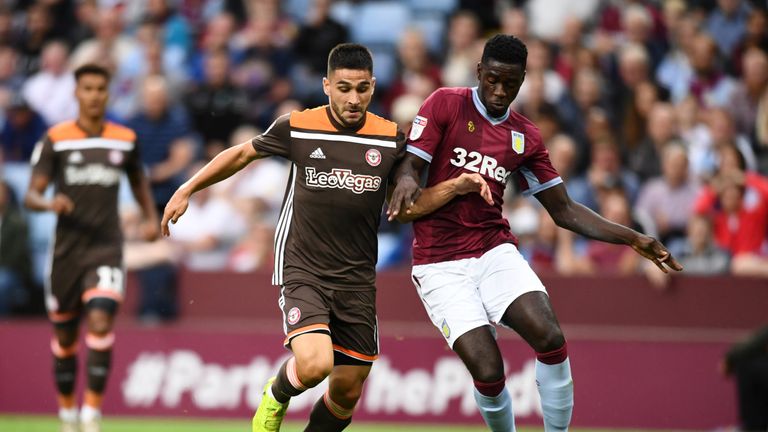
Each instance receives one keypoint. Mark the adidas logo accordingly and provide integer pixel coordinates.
(317, 154)
(75, 157)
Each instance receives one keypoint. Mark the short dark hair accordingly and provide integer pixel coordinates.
(350, 56)
(505, 49)
(92, 69)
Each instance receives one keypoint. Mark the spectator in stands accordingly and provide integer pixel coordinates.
(540, 63)
(727, 23)
(10, 80)
(661, 129)
(317, 36)
(756, 37)
(22, 129)
(753, 85)
(217, 36)
(675, 71)
(668, 200)
(51, 91)
(605, 173)
(600, 257)
(216, 106)
(761, 132)
(15, 259)
(166, 139)
(562, 153)
(418, 75)
(636, 122)
(514, 22)
(700, 255)
(747, 361)
(463, 54)
(585, 94)
(175, 32)
(738, 206)
(37, 31)
(638, 25)
(570, 49)
(710, 86)
(210, 228)
(633, 72)
(109, 47)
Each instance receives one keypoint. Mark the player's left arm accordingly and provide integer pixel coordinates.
(576, 217)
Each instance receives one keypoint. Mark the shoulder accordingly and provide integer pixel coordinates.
(65, 131)
(377, 125)
(450, 95)
(520, 123)
(119, 132)
(313, 119)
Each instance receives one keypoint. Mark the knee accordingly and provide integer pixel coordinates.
(99, 327)
(313, 370)
(489, 372)
(551, 340)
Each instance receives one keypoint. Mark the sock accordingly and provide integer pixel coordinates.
(496, 410)
(287, 384)
(328, 416)
(89, 413)
(99, 360)
(64, 371)
(553, 377)
(68, 415)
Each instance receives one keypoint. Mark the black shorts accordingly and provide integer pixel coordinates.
(71, 285)
(349, 317)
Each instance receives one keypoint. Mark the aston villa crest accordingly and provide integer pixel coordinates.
(518, 142)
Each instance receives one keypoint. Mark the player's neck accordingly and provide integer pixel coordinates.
(91, 125)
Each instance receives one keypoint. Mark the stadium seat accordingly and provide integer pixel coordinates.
(442, 6)
(432, 27)
(380, 22)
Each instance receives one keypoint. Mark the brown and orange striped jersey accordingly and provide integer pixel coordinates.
(326, 233)
(88, 170)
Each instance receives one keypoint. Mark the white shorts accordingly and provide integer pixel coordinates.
(469, 293)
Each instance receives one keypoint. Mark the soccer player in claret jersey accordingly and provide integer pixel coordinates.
(325, 244)
(85, 159)
(467, 269)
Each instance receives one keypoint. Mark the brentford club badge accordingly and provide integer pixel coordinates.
(294, 315)
(116, 157)
(373, 157)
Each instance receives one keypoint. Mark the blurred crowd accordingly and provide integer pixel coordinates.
(655, 113)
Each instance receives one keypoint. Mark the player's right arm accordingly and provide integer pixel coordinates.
(432, 198)
(43, 166)
(225, 164)
(274, 141)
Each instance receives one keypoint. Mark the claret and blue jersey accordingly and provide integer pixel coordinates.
(455, 134)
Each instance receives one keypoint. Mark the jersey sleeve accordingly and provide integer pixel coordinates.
(43, 158)
(428, 126)
(400, 154)
(537, 173)
(276, 140)
(133, 161)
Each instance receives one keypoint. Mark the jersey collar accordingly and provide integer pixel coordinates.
(340, 127)
(481, 108)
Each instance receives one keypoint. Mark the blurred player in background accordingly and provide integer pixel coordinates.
(85, 159)
(325, 244)
(467, 269)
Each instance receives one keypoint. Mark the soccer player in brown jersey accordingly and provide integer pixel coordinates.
(84, 159)
(325, 243)
(467, 269)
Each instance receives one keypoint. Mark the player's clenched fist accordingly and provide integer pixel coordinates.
(174, 210)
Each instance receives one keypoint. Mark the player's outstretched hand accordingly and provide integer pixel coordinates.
(468, 183)
(653, 250)
(176, 207)
(406, 193)
(62, 204)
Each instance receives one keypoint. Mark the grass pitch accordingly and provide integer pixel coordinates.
(22, 423)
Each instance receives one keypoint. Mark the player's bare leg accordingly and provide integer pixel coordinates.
(333, 411)
(532, 317)
(478, 350)
(99, 340)
(311, 362)
(64, 348)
